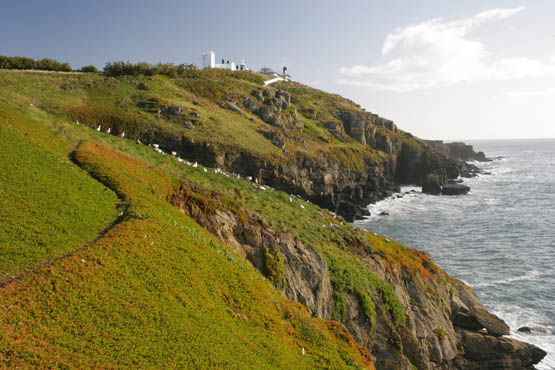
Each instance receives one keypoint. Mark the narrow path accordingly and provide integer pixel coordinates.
(5, 280)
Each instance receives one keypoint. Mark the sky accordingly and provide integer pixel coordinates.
(440, 69)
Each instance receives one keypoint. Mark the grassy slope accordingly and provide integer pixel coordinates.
(156, 291)
(338, 244)
(112, 102)
(49, 206)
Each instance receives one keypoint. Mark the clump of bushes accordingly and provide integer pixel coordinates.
(89, 68)
(45, 64)
(143, 68)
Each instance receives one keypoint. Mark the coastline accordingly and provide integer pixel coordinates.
(446, 244)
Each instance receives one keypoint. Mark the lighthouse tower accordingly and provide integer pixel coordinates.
(208, 59)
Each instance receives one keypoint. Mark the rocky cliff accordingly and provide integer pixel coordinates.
(441, 323)
(373, 156)
(421, 318)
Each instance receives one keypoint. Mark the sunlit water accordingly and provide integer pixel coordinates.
(499, 238)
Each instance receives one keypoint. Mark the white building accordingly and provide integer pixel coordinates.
(209, 61)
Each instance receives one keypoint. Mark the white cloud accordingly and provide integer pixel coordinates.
(439, 53)
(531, 93)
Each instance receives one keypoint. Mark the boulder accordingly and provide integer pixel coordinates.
(454, 189)
(533, 330)
(467, 312)
(349, 210)
(431, 184)
(233, 107)
(483, 351)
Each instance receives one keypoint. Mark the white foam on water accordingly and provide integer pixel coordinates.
(395, 204)
(517, 317)
(530, 275)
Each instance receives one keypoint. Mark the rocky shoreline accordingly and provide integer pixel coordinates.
(446, 325)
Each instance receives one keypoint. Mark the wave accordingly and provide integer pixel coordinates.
(530, 275)
(517, 317)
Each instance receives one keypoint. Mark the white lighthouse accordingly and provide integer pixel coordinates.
(208, 59)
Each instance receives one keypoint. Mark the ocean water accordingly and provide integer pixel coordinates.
(499, 238)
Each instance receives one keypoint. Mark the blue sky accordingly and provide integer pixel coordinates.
(439, 69)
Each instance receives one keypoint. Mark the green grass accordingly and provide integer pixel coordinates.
(157, 291)
(96, 99)
(49, 205)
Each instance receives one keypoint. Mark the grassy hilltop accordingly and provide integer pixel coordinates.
(117, 254)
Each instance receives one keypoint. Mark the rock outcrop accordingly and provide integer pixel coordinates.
(445, 325)
(458, 151)
(454, 189)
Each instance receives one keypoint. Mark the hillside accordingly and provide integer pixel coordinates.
(117, 253)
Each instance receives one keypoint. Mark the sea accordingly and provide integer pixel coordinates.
(499, 238)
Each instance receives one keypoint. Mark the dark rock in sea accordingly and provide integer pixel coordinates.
(482, 351)
(454, 189)
(533, 330)
(432, 184)
(384, 213)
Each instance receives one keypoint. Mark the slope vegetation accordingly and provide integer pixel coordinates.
(156, 291)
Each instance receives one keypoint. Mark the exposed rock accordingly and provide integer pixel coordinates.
(483, 351)
(432, 337)
(305, 272)
(336, 128)
(469, 313)
(275, 137)
(458, 151)
(271, 117)
(233, 107)
(533, 330)
(432, 184)
(454, 189)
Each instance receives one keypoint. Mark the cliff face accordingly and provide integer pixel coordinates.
(443, 325)
(378, 155)
(457, 150)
